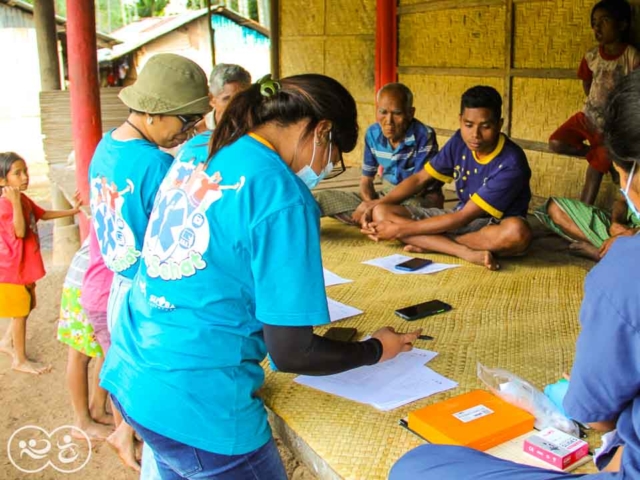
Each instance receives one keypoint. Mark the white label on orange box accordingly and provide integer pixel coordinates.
(473, 413)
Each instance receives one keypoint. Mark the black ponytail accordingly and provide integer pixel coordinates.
(310, 96)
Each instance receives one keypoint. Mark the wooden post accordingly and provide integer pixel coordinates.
(85, 93)
(386, 43)
(263, 13)
(508, 65)
(44, 17)
(274, 36)
(212, 34)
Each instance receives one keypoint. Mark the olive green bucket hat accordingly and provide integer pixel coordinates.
(169, 85)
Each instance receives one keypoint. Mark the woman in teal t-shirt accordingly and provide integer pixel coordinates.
(231, 270)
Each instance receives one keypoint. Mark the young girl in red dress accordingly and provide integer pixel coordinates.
(21, 263)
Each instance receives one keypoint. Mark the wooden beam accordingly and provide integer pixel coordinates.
(274, 29)
(452, 71)
(560, 73)
(532, 145)
(433, 5)
(444, 132)
(212, 34)
(44, 17)
(508, 63)
(532, 1)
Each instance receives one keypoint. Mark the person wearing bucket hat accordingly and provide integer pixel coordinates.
(169, 97)
(231, 270)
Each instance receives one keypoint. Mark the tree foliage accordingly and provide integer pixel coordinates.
(150, 8)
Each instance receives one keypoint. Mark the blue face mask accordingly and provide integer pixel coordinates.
(309, 176)
(625, 192)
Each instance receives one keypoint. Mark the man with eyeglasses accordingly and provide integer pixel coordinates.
(396, 147)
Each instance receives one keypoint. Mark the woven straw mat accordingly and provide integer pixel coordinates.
(523, 318)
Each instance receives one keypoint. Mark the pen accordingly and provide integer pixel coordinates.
(425, 337)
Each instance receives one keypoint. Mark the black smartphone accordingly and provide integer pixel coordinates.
(342, 334)
(421, 310)
(413, 264)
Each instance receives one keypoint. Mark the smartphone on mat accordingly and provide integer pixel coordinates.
(342, 334)
(421, 310)
(413, 264)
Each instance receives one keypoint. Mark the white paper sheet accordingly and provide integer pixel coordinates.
(340, 311)
(422, 383)
(331, 279)
(389, 263)
(386, 385)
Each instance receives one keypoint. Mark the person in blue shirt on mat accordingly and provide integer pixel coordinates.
(604, 390)
(491, 176)
(396, 146)
(231, 270)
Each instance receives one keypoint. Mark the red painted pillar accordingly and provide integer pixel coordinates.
(85, 91)
(386, 42)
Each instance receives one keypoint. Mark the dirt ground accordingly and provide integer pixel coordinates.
(44, 401)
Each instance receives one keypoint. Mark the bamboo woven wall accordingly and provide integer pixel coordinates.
(528, 49)
(337, 38)
(55, 111)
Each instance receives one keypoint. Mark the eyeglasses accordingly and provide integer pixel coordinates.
(338, 168)
(189, 121)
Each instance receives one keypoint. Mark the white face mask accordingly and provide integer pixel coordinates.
(308, 175)
(625, 192)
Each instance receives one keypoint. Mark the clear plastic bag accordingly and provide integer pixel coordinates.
(522, 394)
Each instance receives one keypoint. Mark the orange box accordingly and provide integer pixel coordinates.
(476, 419)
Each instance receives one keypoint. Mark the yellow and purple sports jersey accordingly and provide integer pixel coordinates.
(497, 183)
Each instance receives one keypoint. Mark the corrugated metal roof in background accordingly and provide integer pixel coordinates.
(11, 17)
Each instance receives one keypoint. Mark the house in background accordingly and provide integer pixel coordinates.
(20, 82)
(236, 40)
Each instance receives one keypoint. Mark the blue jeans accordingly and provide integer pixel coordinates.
(444, 462)
(178, 461)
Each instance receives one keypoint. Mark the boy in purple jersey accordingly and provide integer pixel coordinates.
(491, 176)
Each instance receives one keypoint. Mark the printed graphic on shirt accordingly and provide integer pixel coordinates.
(116, 239)
(178, 232)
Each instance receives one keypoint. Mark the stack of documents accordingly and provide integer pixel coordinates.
(385, 385)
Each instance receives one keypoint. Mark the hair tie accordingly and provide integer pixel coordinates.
(268, 86)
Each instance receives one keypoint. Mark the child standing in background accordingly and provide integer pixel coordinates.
(601, 68)
(20, 258)
(75, 331)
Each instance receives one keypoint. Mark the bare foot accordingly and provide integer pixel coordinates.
(6, 348)
(584, 249)
(414, 249)
(31, 367)
(483, 258)
(122, 442)
(95, 431)
(102, 417)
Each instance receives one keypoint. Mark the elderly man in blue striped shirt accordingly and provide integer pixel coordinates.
(396, 147)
